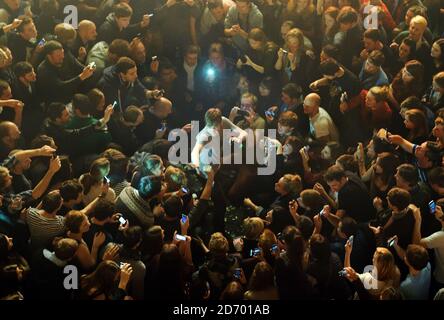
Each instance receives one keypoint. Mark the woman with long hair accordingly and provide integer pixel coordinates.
(382, 177)
(107, 282)
(261, 286)
(437, 53)
(293, 61)
(259, 58)
(329, 25)
(77, 223)
(408, 82)
(384, 273)
(416, 123)
(95, 182)
(405, 52)
(377, 113)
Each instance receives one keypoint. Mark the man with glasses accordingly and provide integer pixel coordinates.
(247, 115)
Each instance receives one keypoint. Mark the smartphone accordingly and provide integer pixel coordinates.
(306, 148)
(194, 196)
(344, 97)
(184, 218)
(180, 237)
(270, 113)
(114, 104)
(154, 58)
(184, 190)
(284, 51)
(280, 237)
(391, 242)
(255, 252)
(321, 213)
(343, 273)
(237, 273)
(122, 221)
(121, 264)
(42, 42)
(92, 65)
(106, 180)
(274, 248)
(150, 15)
(164, 126)
(432, 206)
(351, 240)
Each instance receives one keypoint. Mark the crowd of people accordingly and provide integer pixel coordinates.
(354, 209)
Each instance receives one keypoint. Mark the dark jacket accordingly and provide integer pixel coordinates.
(54, 85)
(112, 87)
(109, 30)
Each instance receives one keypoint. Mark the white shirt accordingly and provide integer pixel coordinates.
(436, 242)
(190, 75)
(322, 125)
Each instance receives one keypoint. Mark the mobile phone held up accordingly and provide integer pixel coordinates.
(106, 180)
(432, 206)
(255, 252)
(237, 273)
(122, 221)
(184, 190)
(270, 113)
(180, 237)
(184, 218)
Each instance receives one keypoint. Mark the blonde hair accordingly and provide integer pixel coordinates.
(175, 178)
(253, 227)
(419, 20)
(292, 183)
(385, 266)
(218, 243)
(267, 239)
(380, 93)
(295, 33)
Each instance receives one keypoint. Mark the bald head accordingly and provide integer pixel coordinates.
(312, 103)
(9, 133)
(162, 108)
(87, 31)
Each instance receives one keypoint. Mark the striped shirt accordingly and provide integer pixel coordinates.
(42, 229)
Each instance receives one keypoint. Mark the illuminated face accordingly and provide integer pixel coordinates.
(247, 104)
(130, 75)
(29, 31)
(191, 59)
(293, 44)
(407, 76)
(369, 44)
(139, 53)
(416, 30)
(279, 186)
(123, 23)
(218, 13)
(335, 186)
(408, 124)
(329, 21)
(243, 7)
(264, 91)
(64, 117)
(436, 51)
(408, 16)
(57, 57)
(216, 59)
(370, 101)
(370, 67)
(255, 45)
(286, 99)
(30, 76)
(91, 33)
(84, 227)
(7, 93)
(404, 51)
(438, 129)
